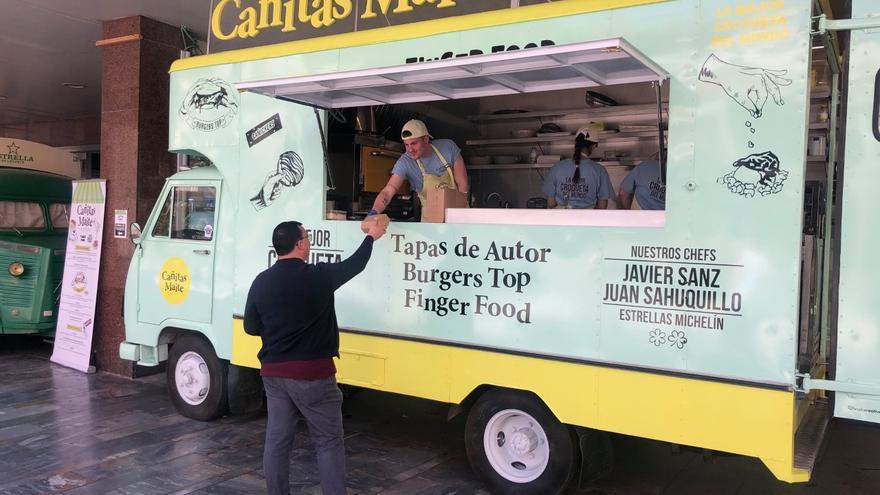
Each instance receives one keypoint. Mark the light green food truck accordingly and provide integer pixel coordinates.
(740, 318)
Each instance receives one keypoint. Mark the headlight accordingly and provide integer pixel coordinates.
(16, 269)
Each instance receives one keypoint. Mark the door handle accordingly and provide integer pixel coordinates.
(202, 251)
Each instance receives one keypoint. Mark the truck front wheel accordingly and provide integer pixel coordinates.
(518, 445)
(197, 379)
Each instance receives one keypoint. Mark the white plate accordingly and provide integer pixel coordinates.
(505, 159)
(543, 159)
(479, 160)
(522, 133)
(554, 134)
(637, 127)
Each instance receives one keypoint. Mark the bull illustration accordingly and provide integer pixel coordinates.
(210, 101)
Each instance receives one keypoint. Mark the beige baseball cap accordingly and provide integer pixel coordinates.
(414, 129)
(590, 131)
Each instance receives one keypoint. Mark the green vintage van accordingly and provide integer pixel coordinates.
(34, 217)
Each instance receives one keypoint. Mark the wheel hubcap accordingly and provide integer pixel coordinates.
(516, 446)
(192, 378)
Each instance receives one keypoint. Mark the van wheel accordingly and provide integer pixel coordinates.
(518, 445)
(197, 379)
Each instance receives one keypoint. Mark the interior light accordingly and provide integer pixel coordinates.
(73, 85)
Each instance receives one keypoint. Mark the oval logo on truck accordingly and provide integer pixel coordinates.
(210, 104)
(174, 279)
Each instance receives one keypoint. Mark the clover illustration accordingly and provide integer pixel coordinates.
(657, 337)
(677, 338)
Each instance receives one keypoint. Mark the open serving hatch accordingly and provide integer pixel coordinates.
(550, 68)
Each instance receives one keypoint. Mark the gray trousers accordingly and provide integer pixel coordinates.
(320, 402)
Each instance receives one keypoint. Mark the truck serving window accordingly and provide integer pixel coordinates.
(510, 146)
(20, 215)
(188, 213)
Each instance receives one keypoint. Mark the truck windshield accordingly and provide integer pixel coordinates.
(20, 215)
(59, 214)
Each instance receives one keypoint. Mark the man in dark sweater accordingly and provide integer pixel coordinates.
(290, 307)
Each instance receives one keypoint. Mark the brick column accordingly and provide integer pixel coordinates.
(136, 53)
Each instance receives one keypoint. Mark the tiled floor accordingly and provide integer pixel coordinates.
(65, 432)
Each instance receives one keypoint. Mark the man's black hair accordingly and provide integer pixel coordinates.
(285, 236)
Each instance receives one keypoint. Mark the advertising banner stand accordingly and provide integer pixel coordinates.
(79, 287)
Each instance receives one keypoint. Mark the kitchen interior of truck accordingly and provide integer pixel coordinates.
(508, 143)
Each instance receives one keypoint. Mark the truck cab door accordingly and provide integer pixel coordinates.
(177, 255)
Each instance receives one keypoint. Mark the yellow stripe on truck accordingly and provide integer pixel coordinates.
(751, 421)
(244, 347)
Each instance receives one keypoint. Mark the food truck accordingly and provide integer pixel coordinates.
(35, 190)
(34, 217)
(740, 318)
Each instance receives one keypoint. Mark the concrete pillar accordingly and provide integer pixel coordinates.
(136, 53)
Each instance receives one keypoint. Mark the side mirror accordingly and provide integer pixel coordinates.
(135, 233)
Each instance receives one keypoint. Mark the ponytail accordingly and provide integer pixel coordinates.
(580, 143)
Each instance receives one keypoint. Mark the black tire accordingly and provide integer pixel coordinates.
(205, 382)
(562, 464)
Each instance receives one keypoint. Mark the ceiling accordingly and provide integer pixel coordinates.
(46, 43)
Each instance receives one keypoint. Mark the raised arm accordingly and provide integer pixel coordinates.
(347, 269)
(605, 191)
(459, 171)
(387, 193)
(625, 199)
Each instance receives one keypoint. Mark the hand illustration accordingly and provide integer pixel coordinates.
(748, 86)
(270, 191)
(289, 172)
(272, 187)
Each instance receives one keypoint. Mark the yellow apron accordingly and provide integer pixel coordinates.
(431, 181)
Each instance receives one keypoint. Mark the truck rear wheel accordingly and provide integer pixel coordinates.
(196, 379)
(518, 445)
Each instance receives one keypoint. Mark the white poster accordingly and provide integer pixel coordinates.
(120, 224)
(79, 288)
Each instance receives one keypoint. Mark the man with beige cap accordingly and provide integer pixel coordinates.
(427, 164)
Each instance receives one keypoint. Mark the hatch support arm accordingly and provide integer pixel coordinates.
(826, 24)
(804, 383)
